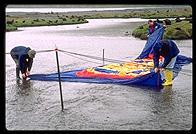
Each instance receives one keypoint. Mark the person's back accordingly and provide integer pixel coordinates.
(19, 50)
(174, 48)
(169, 50)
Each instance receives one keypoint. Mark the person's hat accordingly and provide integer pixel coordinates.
(31, 53)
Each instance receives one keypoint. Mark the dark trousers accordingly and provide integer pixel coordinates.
(14, 57)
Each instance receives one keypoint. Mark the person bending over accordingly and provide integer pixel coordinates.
(169, 51)
(23, 57)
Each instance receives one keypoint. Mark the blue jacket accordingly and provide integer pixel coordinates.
(156, 26)
(166, 48)
(21, 54)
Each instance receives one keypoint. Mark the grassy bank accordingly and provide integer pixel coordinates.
(166, 12)
(13, 22)
(177, 30)
(21, 19)
(10, 28)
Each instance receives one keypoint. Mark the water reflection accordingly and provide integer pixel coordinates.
(24, 86)
(167, 94)
(167, 88)
(162, 103)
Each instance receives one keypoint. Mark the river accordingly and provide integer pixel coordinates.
(35, 105)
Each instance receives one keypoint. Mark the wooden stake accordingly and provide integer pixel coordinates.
(61, 96)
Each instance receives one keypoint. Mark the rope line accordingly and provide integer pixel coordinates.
(43, 51)
(185, 73)
(95, 57)
(182, 71)
(88, 56)
(81, 58)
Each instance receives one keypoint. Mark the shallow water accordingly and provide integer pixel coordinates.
(35, 105)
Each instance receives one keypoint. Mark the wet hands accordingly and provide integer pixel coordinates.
(162, 69)
(156, 69)
(27, 73)
(24, 76)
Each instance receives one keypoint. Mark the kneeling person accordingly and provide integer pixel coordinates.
(23, 57)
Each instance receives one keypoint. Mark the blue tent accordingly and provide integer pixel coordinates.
(155, 37)
(151, 79)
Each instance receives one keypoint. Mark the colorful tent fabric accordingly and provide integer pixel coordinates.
(137, 72)
(155, 37)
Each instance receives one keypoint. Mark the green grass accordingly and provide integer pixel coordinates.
(47, 19)
(24, 22)
(145, 14)
(10, 28)
(165, 14)
(141, 32)
(179, 30)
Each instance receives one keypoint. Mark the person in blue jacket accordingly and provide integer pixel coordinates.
(23, 57)
(152, 26)
(169, 51)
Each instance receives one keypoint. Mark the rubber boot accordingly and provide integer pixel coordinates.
(17, 73)
(168, 75)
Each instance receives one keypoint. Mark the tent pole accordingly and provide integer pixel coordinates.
(61, 96)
